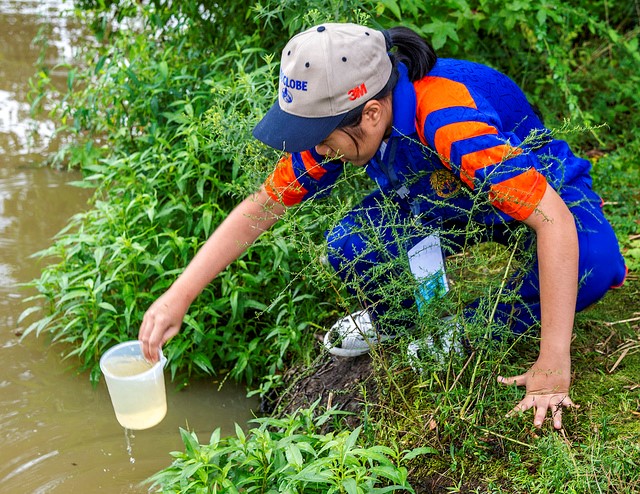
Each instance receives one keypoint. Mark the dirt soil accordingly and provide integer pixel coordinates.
(338, 382)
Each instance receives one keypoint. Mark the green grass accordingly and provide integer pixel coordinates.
(598, 449)
(460, 411)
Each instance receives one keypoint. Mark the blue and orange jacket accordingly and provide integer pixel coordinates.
(461, 130)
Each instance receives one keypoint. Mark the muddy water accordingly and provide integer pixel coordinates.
(57, 433)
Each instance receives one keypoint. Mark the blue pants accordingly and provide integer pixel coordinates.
(365, 245)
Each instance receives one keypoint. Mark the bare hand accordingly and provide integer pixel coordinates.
(547, 389)
(161, 322)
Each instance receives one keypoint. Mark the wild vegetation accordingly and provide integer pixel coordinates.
(158, 115)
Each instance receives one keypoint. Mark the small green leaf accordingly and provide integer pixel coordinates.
(240, 433)
(107, 306)
(393, 6)
(420, 451)
(294, 456)
(163, 69)
(350, 486)
(70, 78)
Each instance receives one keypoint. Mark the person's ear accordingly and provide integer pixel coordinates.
(372, 112)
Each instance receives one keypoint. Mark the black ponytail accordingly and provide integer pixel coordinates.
(412, 50)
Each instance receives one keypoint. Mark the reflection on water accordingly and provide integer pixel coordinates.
(20, 21)
(58, 434)
(17, 132)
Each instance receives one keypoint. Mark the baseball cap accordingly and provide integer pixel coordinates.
(325, 72)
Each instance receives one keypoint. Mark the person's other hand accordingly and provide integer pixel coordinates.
(547, 389)
(161, 322)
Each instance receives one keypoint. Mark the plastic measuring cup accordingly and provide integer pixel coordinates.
(136, 387)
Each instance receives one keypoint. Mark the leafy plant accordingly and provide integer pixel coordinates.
(170, 169)
(286, 455)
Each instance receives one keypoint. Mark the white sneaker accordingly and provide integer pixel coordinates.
(352, 335)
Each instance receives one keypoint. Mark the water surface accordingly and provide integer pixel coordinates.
(57, 433)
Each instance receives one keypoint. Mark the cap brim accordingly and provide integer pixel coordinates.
(292, 134)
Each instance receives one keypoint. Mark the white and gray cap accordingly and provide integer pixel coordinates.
(325, 72)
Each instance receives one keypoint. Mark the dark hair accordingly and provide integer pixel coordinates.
(412, 50)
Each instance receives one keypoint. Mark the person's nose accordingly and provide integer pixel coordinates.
(323, 149)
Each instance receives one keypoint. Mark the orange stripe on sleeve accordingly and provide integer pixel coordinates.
(472, 162)
(436, 93)
(519, 196)
(283, 186)
(314, 169)
(449, 94)
(448, 134)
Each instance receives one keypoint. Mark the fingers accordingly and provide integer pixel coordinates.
(155, 330)
(520, 380)
(541, 404)
(556, 416)
(556, 409)
(149, 346)
(540, 412)
(525, 404)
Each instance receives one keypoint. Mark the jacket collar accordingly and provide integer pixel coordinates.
(404, 105)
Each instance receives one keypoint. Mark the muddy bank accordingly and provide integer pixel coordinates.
(337, 382)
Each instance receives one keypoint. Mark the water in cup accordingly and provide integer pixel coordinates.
(136, 386)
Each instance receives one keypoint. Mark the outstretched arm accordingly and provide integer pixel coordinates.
(254, 215)
(548, 380)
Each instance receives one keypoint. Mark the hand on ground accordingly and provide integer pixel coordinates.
(547, 390)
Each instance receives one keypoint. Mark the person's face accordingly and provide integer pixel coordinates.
(359, 145)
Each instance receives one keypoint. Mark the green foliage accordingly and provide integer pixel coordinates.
(615, 175)
(161, 125)
(457, 406)
(287, 455)
(576, 60)
(167, 166)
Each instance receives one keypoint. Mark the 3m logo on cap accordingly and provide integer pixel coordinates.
(357, 92)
